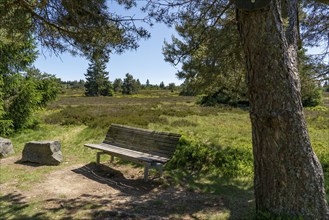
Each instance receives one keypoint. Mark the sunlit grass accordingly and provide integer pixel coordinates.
(223, 129)
(75, 120)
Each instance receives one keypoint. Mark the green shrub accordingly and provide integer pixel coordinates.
(6, 127)
(24, 95)
(225, 96)
(23, 106)
(196, 158)
(311, 96)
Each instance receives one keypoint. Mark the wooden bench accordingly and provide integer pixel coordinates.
(149, 148)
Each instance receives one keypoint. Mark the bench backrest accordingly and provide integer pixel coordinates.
(153, 142)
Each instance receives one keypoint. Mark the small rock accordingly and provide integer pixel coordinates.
(6, 147)
(43, 152)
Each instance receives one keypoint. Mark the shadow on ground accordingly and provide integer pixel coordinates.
(155, 198)
(14, 206)
(115, 179)
(135, 199)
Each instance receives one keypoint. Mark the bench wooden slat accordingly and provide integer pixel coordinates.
(129, 153)
(154, 151)
(162, 140)
(142, 140)
(138, 145)
(141, 130)
(136, 139)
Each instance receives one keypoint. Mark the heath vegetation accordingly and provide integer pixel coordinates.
(214, 155)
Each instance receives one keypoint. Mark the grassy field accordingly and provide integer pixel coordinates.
(214, 156)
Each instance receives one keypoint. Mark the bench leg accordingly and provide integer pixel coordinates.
(98, 156)
(146, 171)
(159, 168)
(160, 171)
(112, 159)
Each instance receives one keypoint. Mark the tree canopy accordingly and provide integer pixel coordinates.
(270, 36)
(214, 64)
(77, 26)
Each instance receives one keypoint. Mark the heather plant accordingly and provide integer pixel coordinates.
(214, 154)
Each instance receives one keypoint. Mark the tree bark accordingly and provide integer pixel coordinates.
(288, 177)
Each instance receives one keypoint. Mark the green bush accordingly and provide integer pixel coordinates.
(225, 96)
(6, 127)
(311, 96)
(27, 95)
(23, 105)
(201, 158)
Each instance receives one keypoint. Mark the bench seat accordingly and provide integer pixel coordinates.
(149, 148)
(129, 154)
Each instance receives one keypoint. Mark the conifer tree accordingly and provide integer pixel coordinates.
(130, 85)
(147, 84)
(97, 82)
(162, 85)
(23, 89)
(117, 85)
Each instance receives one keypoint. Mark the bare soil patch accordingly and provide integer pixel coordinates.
(102, 192)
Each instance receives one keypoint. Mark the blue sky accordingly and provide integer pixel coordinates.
(147, 62)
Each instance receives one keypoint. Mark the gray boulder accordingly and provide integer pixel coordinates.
(43, 152)
(6, 147)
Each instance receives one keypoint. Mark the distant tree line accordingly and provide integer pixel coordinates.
(98, 83)
(131, 86)
(74, 84)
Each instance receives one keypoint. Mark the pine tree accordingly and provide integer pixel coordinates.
(97, 83)
(288, 177)
(117, 85)
(147, 83)
(162, 85)
(130, 85)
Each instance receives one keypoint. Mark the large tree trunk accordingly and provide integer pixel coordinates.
(288, 176)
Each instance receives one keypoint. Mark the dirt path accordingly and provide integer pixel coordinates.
(99, 192)
(66, 183)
